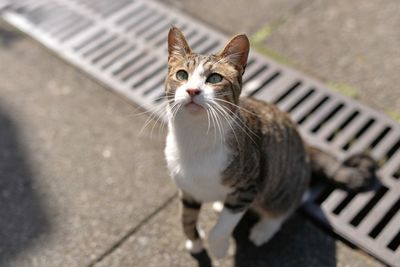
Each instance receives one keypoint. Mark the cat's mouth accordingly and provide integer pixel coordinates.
(193, 107)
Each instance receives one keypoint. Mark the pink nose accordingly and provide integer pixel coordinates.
(193, 92)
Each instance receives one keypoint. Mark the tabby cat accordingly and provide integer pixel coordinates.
(240, 151)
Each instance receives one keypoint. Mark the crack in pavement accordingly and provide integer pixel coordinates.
(132, 231)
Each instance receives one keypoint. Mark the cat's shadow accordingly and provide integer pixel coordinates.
(299, 243)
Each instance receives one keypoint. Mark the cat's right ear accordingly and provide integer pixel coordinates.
(177, 44)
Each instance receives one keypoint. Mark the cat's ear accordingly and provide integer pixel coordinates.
(236, 50)
(177, 44)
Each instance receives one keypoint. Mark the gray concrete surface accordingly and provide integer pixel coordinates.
(351, 42)
(236, 16)
(80, 187)
(76, 176)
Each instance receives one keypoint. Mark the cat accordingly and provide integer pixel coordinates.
(237, 150)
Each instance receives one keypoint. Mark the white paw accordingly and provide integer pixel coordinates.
(195, 246)
(202, 234)
(218, 206)
(263, 231)
(218, 245)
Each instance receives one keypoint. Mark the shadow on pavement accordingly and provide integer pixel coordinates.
(297, 244)
(7, 35)
(22, 219)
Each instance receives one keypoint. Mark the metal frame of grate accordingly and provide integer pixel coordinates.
(122, 44)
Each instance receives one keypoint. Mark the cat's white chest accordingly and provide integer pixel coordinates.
(197, 171)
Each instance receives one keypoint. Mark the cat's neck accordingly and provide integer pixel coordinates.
(198, 132)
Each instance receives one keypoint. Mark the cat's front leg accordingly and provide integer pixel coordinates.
(190, 210)
(235, 206)
(218, 239)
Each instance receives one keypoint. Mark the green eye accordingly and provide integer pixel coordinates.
(182, 75)
(214, 78)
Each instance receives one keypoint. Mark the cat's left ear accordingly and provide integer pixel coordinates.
(237, 50)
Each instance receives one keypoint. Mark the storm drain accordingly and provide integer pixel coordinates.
(122, 43)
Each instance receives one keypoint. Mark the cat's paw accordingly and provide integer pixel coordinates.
(218, 206)
(263, 231)
(218, 244)
(194, 246)
(358, 172)
(259, 238)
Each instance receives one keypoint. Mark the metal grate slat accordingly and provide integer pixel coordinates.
(334, 199)
(346, 135)
(391, 166)
(275, 89)
(159, 29)
(123, 44)
(366, 139)
(118, 15)
(135, 81)
(387, 233)
(107, 50)
(307, 107)
(75, 31)
(256, 82)
(385, 145)
(332, 125)
(323, 112)
(287, 102)
(129, 58)
(377, 212)
(252, 70)
(355, 206)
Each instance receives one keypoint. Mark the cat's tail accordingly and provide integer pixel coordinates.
(357, 172)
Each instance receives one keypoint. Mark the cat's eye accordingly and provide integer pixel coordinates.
(182, 75)
(214, 78)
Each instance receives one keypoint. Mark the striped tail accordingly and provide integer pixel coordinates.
(357, 172)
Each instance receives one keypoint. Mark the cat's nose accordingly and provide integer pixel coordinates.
(193, 92)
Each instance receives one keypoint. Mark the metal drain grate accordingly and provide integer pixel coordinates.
(123, 44)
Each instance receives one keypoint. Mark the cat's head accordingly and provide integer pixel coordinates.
(196, 83)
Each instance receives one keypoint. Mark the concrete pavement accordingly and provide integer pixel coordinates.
(76, 176)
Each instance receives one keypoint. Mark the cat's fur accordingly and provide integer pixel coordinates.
(240, 151)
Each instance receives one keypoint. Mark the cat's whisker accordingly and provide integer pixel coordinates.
(208, 121)
(174, 110)
(159, 123)
(240, 124)
(175, 105)
(220, 125)
(236, 106)
(156, 114)
(215, 123)
(236, 116)
(212, 120)
(153, 116)
(151, 109)
(221, 117)
(228, 119)
(235, 119)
